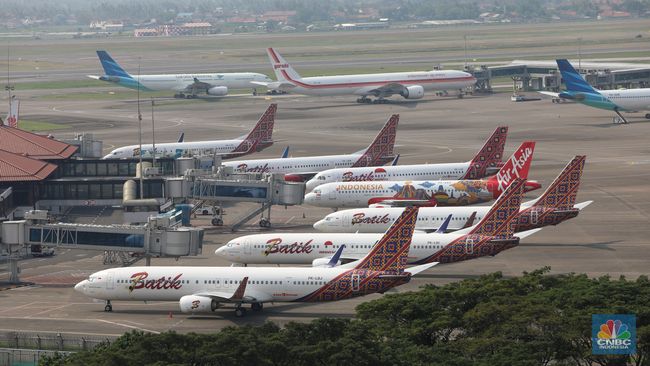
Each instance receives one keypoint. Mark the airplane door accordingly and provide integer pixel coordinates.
(534, 216)
(354, 278)
(247, 247)
(346, 220)
(469, 246)
(331, 195)
(110, 280)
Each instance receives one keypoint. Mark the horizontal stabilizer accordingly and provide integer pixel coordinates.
(580, 206)
(527, 233)
(95, 77)
(550, 94)
(422, 267)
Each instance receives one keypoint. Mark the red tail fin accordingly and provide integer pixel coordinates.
(380, 151)
(239, 293)
(516, 167)
(261, 135)
(490, 154)
(391, 252)
(562, 193)
(501, 219)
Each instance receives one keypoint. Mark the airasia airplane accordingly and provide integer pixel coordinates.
(427, 193)
(487, 161)
(410, 85)
(379, 152)
(258, 139)
(557, 204)
(490, 236)
(204, 289)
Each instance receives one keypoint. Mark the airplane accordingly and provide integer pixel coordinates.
(427, 193)
(379, 152)
(204, 289)
(184, 85)
(410, 85)
(493, 234)
(259, 138)
(557, 204)
(486, 161)
(12, 115)
(623, 100)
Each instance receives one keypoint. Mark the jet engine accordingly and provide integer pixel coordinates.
(198, 304)
(322, 263)
(218, 91)
(413, 92)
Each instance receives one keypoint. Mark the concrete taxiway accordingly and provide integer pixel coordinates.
(608, 238)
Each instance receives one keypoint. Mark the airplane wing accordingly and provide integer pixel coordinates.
(385, 90)
(551, 94)
(240, 295)
(197, 85)
(276, 85)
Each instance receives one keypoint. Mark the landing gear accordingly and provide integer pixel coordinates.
(265, 223)
(108, 308)
(380, 101)
(190, 96)
(179, 95)
(240, 311)
(647, 116)
(257, 306)
(254, 92)
(620, 119)
(217, 222)
(364, 99)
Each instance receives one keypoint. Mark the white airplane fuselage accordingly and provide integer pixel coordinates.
(179, 82)
(390, 173)
(176, 149)
(304, 248)
(362, 84)
(170, 283)
(630, 100)
(308, 164)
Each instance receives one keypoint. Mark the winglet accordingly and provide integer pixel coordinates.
(335, 258)
(391, 252)
(380, 151)
(285, 153)
(239, 293)
(443, 228)
(489, 156)
(470, 220)
(181, 137)
(394, 162)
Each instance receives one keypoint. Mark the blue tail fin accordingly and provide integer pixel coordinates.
(111, 68)
(285, 153)
(572, 79)
(336, 257)
(443, 228)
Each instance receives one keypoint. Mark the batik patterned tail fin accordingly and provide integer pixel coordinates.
(489, 156)
(380, 151)
(562, 193)
(501, 220)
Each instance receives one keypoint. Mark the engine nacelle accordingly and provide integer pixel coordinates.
(218, 91)
(322, 263)
(198, 304)
(413, 92)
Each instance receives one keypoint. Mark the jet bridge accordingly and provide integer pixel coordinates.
(161, 236)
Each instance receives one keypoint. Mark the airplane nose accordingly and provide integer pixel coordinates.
(310, 185)
(318, 225)
(310, 197)
(221, 252)
(81, 286)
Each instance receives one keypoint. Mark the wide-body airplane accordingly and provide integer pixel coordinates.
(557, 204)
(486, 161)
(489, 237)
(379, 152)
(427, 193)
(259, 138)
(620, 100)
(12, 115)
(203, 289)
(184, 85)
(410, 85)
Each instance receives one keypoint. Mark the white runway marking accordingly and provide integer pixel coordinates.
(127, 326)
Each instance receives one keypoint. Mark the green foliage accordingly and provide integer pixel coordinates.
(535, 319)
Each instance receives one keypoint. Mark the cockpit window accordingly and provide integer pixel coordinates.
(321, 177)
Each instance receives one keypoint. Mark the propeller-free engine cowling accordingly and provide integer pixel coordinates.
(413, 92)
(198, 304)
(218, 90)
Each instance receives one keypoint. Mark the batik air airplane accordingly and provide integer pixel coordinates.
(577, 89)
(410, 85)
(259, 138)
(493, 234)
(204, 289)
(184, 85)
(12, 116)
(557, 204)
(487, 161)
(379, 152)
(424, 192)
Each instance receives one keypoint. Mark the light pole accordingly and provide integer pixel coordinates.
(140, 136)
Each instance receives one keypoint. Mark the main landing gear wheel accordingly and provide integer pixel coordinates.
(257, 306)
(364, 100)
(240, 312)
(647, 116)
(265, 223)
(217, 222)
(380, 101)
(108, 308)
